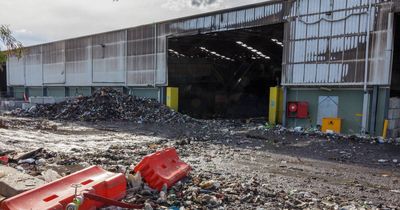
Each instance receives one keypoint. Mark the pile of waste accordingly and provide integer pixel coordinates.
(106, 104)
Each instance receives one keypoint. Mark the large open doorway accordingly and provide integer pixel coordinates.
(226, 74)
(395, 83)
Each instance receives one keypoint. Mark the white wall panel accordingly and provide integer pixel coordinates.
(108, 52)
(33, 67)
(54, 63)
(141, 58)
(78, 62)
(16, 72)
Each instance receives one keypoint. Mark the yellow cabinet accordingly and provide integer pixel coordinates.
(331, 124)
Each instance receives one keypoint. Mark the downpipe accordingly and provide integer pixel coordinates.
(365, 88)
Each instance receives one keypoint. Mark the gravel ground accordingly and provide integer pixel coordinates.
(236, 165)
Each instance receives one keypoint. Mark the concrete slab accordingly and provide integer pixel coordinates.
(13, 182)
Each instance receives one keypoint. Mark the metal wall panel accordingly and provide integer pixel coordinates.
(78, 62)
(141, 55)
(54, 63)
(325, 44)
(381, 46)
(161, 72)
(331, 35)
(271, 12)
(33, 66)
(16, 71)
(108, 52)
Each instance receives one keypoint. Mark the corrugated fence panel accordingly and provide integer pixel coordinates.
(54, 63)
(33, 66)
(108, 51)
(78, 62)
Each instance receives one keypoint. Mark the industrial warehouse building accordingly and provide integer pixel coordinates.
(225, 62)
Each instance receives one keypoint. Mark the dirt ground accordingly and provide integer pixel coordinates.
(255, 167)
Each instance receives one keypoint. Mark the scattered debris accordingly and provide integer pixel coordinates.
(14, 182)
(28, 155)
(134, 181)
(4, 159)
(50, 175)
(382, 161)
(235, 165)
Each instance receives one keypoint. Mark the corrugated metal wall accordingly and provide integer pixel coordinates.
(131, 57)
(78, 61)
(53, 63)
(15, 71)
(33, 66)
(109, 56)
(270, 13)
(327, 43)
(141, 55)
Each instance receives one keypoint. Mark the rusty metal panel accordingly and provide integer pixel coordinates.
(78, 62)
(108, 52)
(54, 63)
(33, 66)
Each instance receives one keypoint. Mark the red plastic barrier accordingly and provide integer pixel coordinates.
(56, 195)
(4, 159)
(162, 167)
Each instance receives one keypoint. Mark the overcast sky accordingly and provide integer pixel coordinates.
(39, 21)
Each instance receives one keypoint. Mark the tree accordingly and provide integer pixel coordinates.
(12, 45)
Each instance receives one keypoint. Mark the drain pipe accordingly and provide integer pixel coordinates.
(366, 95)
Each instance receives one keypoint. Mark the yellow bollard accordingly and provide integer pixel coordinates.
(385, 127)
(275, 105)
(173, 98)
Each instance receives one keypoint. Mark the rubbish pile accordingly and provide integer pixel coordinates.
(96, 187)
(106, 104)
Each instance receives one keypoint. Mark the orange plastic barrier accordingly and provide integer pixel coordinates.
(58, 194)
(162, 167)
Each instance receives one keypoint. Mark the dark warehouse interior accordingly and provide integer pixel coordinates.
(226, 74)
(395, 84)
